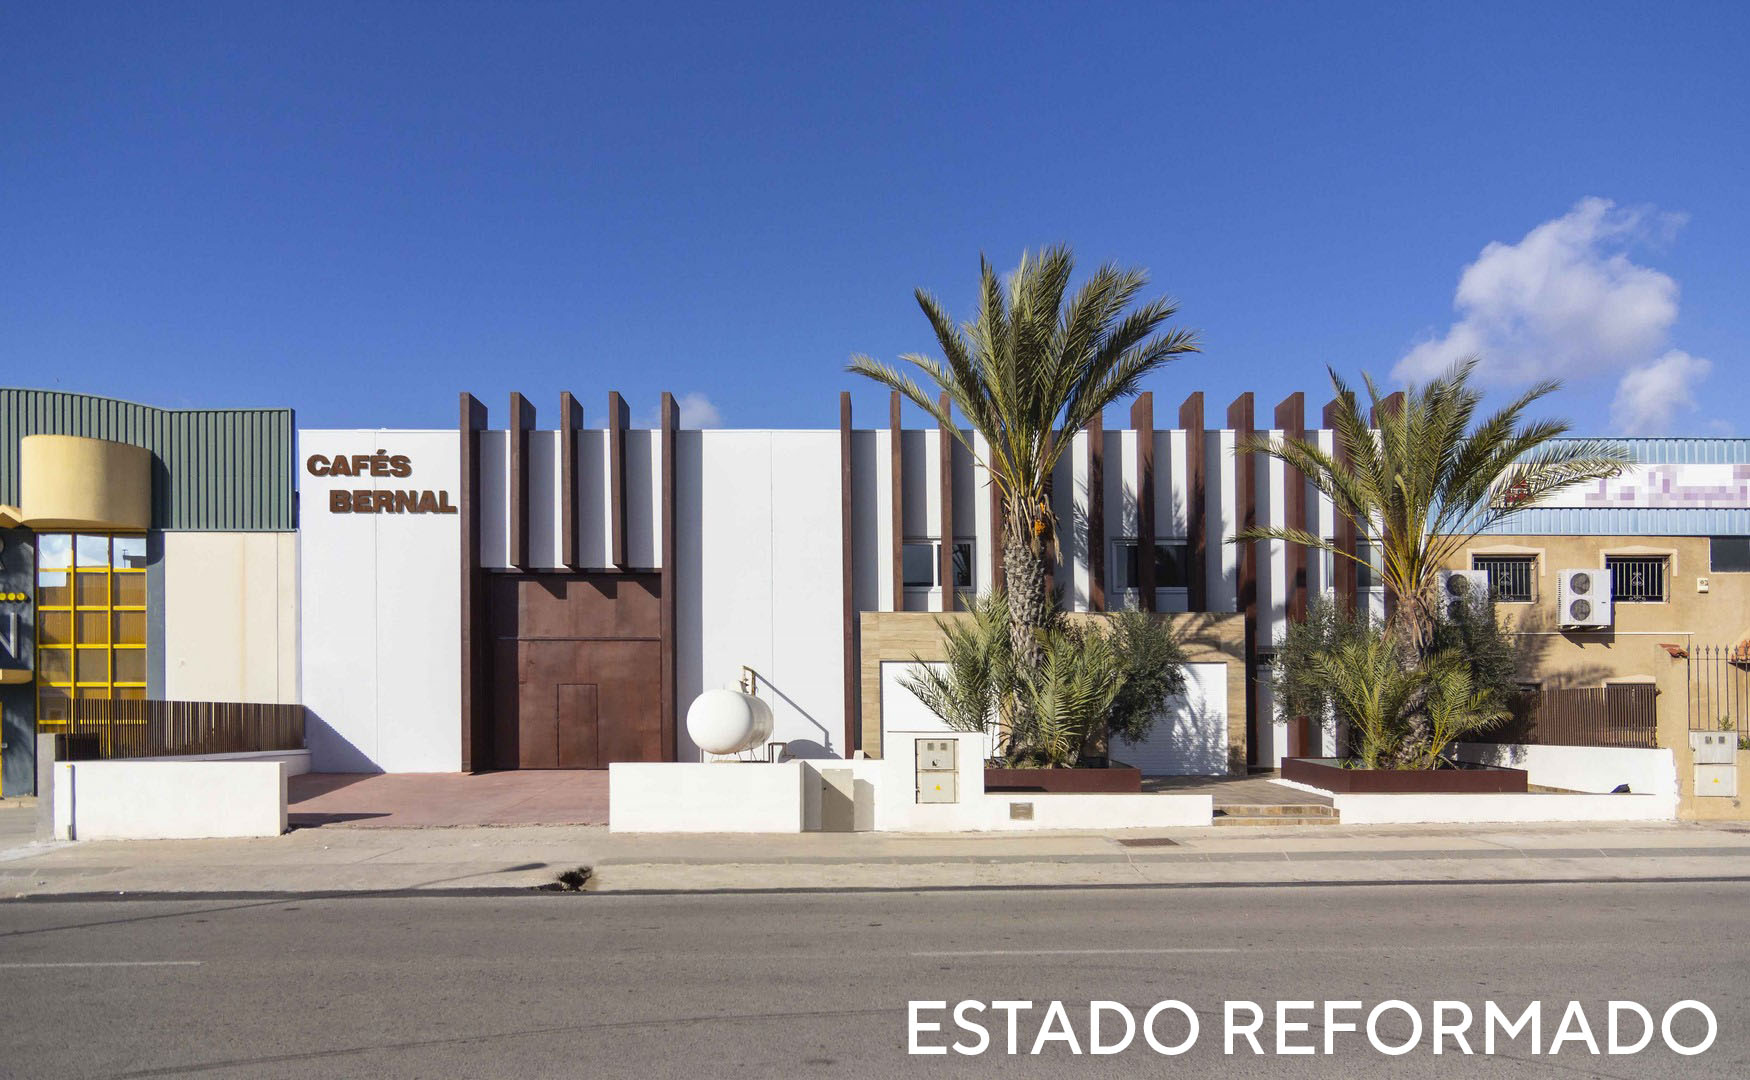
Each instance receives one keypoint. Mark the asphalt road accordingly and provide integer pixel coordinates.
(797, 985)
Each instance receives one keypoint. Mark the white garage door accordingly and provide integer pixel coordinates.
(1190, 739)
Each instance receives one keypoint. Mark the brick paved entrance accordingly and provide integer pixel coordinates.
(425, 800)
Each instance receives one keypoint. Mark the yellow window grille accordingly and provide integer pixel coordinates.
(91, 616)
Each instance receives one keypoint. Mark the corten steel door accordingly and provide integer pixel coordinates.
(577, 670)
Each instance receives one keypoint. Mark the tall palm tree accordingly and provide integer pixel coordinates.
(1431, 480)
(1034, 367)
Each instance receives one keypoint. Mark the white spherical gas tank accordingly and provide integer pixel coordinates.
(728, 721)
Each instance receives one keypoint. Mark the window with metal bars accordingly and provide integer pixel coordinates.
(1512, 578)
(1637, 579)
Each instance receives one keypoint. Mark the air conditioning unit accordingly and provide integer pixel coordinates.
(1583, 598)
(1463, 587)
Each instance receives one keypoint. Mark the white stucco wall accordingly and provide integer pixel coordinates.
(759, 578)
(231, 617)
(381, 612)
(168, 800)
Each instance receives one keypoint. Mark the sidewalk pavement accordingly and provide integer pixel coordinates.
(524, 857)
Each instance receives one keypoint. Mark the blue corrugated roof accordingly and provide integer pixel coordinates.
(1626, 521)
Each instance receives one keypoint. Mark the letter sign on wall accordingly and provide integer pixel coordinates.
(374, 500)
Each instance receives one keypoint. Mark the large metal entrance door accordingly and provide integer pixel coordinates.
(577, 670)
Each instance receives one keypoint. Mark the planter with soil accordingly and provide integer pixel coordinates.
(1112, 778)
(1331, 775)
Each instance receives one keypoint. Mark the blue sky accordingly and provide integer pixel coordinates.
(361, 209)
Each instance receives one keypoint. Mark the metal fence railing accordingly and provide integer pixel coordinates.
(102, 730)
(1719, 688)
(1620, 716)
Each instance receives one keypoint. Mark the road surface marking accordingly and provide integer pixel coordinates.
(107, 964)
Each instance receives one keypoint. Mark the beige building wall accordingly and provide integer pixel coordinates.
(231, 617)
(1207, 638)
(1702, 607)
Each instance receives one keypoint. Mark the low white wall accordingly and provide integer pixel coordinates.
(297, 762)
(168, 800)
(1097, 810)
(1463, 809)
(706, 797)
(1581, 768)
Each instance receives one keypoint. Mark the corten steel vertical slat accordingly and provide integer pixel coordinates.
(1345, 583)
(847, 577)
(1142, 421)
(570, 419)
(945, 507)
(1239, 419)
(1096, 513)
(476, 730)
(617, 420)
(522, 420)
(1391, 405)
(1291, 421)
(896, 475)
(671, 419)
(1196, 520)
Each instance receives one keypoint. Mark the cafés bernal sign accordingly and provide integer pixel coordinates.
(374, 500)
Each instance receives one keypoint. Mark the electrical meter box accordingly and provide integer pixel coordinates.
(937, 778)
(1714, 747)
(1717, 780)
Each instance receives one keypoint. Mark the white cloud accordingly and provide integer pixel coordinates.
(698, 412)
(1566, 299)
(1650, 396)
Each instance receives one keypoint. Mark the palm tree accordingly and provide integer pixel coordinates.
(1431, 480)
(1028, 372)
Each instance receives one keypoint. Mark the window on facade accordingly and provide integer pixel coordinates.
(1512, 578)
(1367, 573)
(1636, 579)
(1729, 554)
(919, 562)
(1172, 564)
(91, 622)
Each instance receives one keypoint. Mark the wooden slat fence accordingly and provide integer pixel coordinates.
(102, 730)
(1622, 716)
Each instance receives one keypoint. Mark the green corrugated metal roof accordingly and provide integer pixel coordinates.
(224, 470)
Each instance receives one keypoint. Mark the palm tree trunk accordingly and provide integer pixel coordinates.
(1029, 604)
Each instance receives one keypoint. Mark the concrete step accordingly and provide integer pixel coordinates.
(1277, 810)
(1275, 820)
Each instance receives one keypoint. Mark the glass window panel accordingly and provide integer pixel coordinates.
(1729, 554)
(130, 628)
(130, 665)
(54, 551)
(53, 589)
(1170, 560)
(54, 627)
(91, 551)
(52, 706)
(130, 589)
(91, 590)
(963, 565)
(130, 693)
(1367, 570)
(919, 559)
(55, 665)
(92, 693)
(93, 627)
(93, 665)
(129, 552)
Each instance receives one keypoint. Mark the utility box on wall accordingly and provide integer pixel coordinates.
(1716, 762)
(936, 762)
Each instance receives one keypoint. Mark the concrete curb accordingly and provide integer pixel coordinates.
(1356, 855)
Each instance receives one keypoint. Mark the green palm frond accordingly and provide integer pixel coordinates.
(1426, 477)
